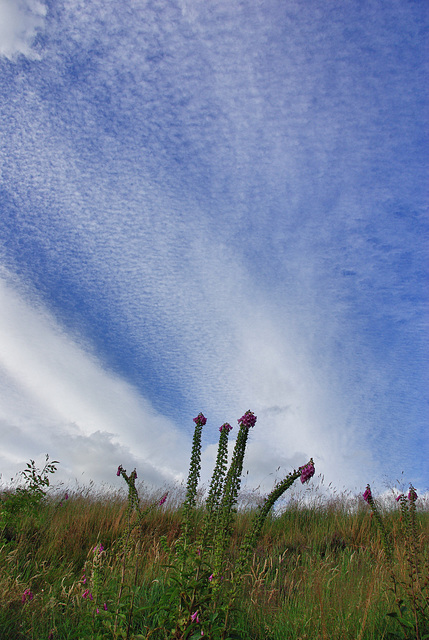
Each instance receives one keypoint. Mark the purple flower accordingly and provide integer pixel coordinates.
(85, 593)
(66, 497)
(367, 496)
(248, 420)
(105, 607)
(98, 548)
(211, 577)
(307, 472)
(412, 495)
(225, 427)
(401, 495)
(200, 420)
(27, 595)
(118, 473)
(194, 617)
(163, 499)
(51, 635)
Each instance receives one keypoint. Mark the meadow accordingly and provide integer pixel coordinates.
(140, 564)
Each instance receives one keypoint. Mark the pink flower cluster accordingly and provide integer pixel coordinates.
(412, 495)
(118, 473)
(200, 419)
(163, 499)
(307, 472)
(248, 420)
(87, 594)
(225, 427)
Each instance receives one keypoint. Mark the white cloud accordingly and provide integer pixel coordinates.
(20, 21)
(56, 398)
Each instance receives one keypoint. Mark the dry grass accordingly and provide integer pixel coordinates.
(319, 570)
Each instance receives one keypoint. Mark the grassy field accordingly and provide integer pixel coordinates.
(319, 570)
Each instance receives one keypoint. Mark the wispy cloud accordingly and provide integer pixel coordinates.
(219, 207)
(20, 23)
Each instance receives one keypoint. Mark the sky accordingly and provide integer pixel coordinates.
(214, 206)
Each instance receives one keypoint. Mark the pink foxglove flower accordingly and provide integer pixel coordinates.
(307, 472)
(194, 617)
(225, 427)
(412, 495)
(163, 499)
(200, 419)
(248, 420)
(367, 496)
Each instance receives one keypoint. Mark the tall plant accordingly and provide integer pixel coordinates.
(411, 593)
(204, 576)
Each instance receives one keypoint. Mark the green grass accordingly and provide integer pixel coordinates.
(319, 570)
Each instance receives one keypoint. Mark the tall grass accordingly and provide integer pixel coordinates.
(319, 569)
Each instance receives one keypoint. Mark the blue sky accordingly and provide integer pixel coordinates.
(214, 206)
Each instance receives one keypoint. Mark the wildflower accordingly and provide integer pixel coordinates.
(83, 578)
(27, 595)
(195, 618)
(97, 610)
(66, 497)
(225, 427)
(307, 472)
(105, 607)
(248, 420)
(118, 473)
(412, 495)
(85, 593)
(200, 419)
(401, 495)
(51, 635)
(211, 577)
(367, 496)
(98, 548)
(163, 499)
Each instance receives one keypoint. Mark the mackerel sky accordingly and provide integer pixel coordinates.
(215, 205)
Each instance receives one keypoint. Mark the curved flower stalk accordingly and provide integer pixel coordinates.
(252, 537)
